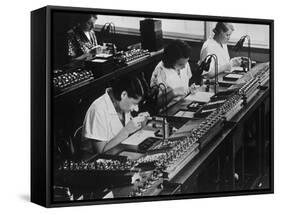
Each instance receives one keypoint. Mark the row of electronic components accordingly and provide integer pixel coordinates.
(104, 165)
(147, 183)
(169, 159)
(168, 143)
(250, 88)
(65, 79)
(258, 80)
(231, 107)
(171, 162)
(263, 76)
(126, 57)
(206, 125)
(174, 157)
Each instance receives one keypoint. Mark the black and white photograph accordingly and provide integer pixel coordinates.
(145, 106)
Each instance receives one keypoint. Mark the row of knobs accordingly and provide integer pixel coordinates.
(106, 166)
(263, 76)
(63, 80)
(230, 104)
(206, 125)
(174, 143)
(176, 153)
(135, 54)
(179, 148)
(248, 86)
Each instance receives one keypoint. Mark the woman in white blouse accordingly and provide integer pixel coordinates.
(108, 120)
(174, 70)
(218, 45)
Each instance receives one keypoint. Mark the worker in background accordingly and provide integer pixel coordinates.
(217, 44)
(81, 39)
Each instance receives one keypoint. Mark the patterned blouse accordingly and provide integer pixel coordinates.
(79, 43)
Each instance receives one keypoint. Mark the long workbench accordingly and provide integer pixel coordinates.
(238, 145)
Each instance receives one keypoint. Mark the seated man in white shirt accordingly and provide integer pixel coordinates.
(108, 120)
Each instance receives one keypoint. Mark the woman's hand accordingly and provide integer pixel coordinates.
(96, 50)
(193, 88)
(225, 68)
(86, 56)
(179, 92)
(144, 116)
(236, 61)
(134, 124)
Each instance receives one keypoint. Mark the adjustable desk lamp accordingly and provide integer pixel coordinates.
(239, 46)
(205, 66)
(161, 86)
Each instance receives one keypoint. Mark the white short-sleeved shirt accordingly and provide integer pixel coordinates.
(212, 47)
(101, 121)
(170, 77)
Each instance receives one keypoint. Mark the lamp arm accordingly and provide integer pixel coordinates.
(165, 109)
(249, 52)
(214, 56)
(162, 86)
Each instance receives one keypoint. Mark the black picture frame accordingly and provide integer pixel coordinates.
(42, 105)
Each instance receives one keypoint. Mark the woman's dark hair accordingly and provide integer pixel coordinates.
(132, 85)
(176, 50)
(222, 27)
(82, 18)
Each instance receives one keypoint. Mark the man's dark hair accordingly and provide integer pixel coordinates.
(176, 50)
(132, 85)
